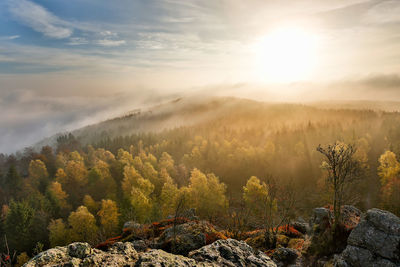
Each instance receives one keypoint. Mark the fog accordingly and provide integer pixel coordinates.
(27, 118)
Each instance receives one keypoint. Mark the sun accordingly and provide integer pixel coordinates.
(286, 55)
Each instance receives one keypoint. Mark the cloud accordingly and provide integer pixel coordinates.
(77, 41)
(108, 33)
(27, 117)
(110, 43)
(12, 37)
(385, 12)
(39, 19)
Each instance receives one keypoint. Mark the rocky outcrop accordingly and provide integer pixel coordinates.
(374, 242)
(227, 253)
(323, 217)
(82, 254)
(231, 252)
(158, 257)
(176, 236)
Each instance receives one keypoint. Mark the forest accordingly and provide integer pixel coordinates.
(239, 167)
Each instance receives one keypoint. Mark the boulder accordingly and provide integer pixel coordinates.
(375, 241)
(186, 237)
(231, 252)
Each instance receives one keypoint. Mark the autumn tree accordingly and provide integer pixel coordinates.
(83, 225)
(140, 199)
(169, 197)
(109, 217)
(152, 175)
(342, 170)
(131, 176)
(167, 162)
(92, 205)
(60, 196)
(100, 182)
(389, 173)
(257, 199)
(207, 194)
(75, 179)
(38, 175)
(58, 233)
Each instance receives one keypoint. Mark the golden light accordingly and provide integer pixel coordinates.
(286, 55)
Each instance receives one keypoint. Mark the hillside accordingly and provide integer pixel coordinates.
(191, 111)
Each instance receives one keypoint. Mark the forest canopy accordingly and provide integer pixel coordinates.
(248, 163)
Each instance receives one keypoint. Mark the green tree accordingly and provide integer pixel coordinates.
(12, 183)
(18, 226)
(58, 233)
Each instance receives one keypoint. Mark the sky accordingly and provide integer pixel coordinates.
(64, 64)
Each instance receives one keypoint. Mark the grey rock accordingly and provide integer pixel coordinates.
(132, 225)
(220, 253)
(375, 241)
(140, 245)
(231, 252)
(319, 215)
(183, 238)
(57, 256)
(81, 254)
(79, 250)
(384, 221)
(160, 258)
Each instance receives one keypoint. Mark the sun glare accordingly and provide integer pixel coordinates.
(285, 55)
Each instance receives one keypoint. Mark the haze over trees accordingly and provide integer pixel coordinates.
(251, 166)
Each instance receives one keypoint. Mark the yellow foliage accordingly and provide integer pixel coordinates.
(22, 259)
(109, 217)
(90, 203)
(169, 196)
(83, 225)
(131, 177)
(58, 233)
(207, 194)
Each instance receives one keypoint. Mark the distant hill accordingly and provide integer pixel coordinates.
(225, 110)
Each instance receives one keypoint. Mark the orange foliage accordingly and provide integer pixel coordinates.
(212, 237)
(108, 243)
(288, 231)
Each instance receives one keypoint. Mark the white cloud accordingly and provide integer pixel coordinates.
(108, 42)
(77, 41)
(12, 37)
(39, 19)
(108, 33)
